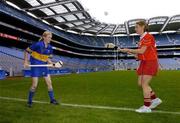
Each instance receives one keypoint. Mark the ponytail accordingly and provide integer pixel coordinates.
(41, 38)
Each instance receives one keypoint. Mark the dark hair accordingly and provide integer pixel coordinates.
(143, 23)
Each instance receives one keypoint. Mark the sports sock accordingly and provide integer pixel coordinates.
(51, 95)
(153, 95)
(31, 94)
(147, 102)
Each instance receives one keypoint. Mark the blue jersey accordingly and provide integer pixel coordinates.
(39, 55)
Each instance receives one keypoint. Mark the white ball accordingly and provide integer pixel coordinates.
(59, 64)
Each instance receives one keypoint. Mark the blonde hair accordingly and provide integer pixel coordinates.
(46, 33)
(143, 23)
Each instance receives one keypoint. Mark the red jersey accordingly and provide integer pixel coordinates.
(151, 51)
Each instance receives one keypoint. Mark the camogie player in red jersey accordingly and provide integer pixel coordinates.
(147, 54)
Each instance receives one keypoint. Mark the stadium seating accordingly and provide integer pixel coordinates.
(161, 40)
(12, 62)
(170, 63)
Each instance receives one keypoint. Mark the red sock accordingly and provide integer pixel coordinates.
(153, 95)
(147, 102)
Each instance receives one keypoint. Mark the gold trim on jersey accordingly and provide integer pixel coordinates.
(39, 56)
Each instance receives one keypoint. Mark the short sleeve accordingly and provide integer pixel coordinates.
(34, 46)
(147, 42)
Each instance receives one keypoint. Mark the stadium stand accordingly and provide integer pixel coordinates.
(162, 40)
(12, 62)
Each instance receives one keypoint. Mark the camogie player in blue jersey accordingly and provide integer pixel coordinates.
(40, 53)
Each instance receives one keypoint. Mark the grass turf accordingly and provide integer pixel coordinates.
(116, 89)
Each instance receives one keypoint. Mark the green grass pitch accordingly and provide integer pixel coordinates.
(112, 89)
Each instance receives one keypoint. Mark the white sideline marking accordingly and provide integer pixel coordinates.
(89, 106)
